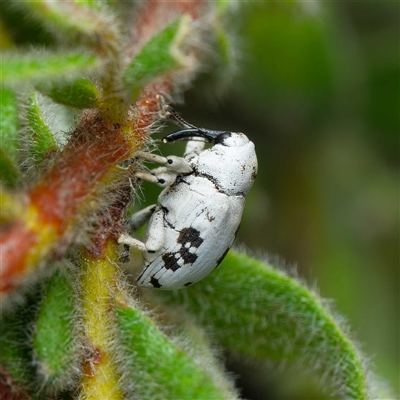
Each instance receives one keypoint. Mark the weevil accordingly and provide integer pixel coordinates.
(194, 223)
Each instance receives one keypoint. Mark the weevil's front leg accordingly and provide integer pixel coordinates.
(160, 176)
(163, 176)
(175, 164)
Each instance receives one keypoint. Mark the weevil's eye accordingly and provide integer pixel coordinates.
(220, 139)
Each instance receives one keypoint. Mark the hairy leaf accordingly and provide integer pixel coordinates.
(8, 137)
(43, 65)
(53, 338)
(259, 311)
(8, 123)
(160, 368)
(74, 19)
(15, 353)
(39, 131)
(80, 93)
(159, 56)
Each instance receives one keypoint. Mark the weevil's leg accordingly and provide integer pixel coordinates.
(132, 242)
(156, 232)
(160, 176)
(139, 218)
(176, 164)
(148, 177)
(142, 155)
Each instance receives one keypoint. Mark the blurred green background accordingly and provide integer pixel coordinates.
(318, 92)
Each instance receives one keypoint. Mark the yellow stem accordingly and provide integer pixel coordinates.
(101, 379)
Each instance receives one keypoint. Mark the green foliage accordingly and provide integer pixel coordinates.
(8, 137)
(15, 351)
(42, 138)
(259, 311)
(9, 174)
(159, 56)
(76, 20)
(43, 65)
(79, 93)
(162, 369)
(9, 123)
(53, 339)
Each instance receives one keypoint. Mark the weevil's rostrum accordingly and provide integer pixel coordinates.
(198, 214)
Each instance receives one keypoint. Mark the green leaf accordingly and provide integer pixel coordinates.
(8, 123)
(76, 20)
(160, 368)
(9, 173)
(40, 133)
(259, 311)
(80, 93)
(8, 137)
(43, 65)
(15, 354)
(53, 338)
(160, 55)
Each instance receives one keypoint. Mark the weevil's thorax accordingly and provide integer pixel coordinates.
(231, 163)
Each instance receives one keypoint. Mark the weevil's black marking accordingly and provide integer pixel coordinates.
(222, 257)
(170, 262)
(196, 173)
(254, 173)
(187, 256)
(164, 209)
(181, 179)
(190, 235)
(188, 284)
(220, 139)
(155, 282)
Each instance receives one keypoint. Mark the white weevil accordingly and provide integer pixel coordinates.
(198, 214)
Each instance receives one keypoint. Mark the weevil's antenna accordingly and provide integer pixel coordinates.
(167, 112)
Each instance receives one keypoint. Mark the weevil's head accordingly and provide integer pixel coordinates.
(231, 163)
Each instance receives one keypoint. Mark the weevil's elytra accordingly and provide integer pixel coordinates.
(198, 214)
